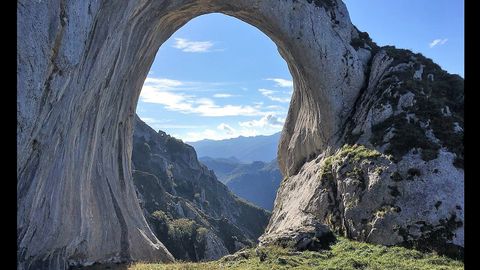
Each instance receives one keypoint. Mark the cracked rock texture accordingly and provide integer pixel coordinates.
(80, 69)
(81, 65)
(398, 179)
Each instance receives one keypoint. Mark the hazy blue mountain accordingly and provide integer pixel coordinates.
(245, 149)
(189, 210)
(256, 182)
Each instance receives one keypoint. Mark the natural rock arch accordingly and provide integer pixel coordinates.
(81, 66)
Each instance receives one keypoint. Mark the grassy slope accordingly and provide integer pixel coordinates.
(345, 254)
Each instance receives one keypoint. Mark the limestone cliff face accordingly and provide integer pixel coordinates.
(398, 179)
(80, 69)
(81, 66)
(188, 209)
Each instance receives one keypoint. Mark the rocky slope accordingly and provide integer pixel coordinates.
(257, 182)
(80, 70)
(396, 176)
(188, 209)
(245, 149)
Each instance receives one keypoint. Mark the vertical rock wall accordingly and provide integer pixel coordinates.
(81, 65)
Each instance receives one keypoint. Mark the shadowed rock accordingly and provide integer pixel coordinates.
(80, 69)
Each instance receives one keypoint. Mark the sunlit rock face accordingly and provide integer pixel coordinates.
(398, 179)
(81, 65)
(80, 69)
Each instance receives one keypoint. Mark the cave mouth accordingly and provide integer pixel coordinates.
(76, 108)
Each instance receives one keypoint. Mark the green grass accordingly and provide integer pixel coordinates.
(355, 153)
(345, 254)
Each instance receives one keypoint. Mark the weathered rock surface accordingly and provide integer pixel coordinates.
(80, 68)
(81, 65)
(188, 209)
(403, 181)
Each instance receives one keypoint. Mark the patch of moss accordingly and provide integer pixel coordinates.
(431, 97)
(357, 43)
(398, 55)
(396, 176)
(406, 136)
(358, 152)
(413, 172)
(394, 191)
(328, 4)
(385, 209)
(364, 41)
(433, 238)
(354, 154)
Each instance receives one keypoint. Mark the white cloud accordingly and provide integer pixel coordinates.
(163, 124)
(267, 121)
(163, 83)
(275, 107)
(169, 93)
(228, 129)
(222, 95)
(438, 41)
(175, 85)
(271, 94)
(219, 134)
(149, 120)
(281, 82)
(192, 46)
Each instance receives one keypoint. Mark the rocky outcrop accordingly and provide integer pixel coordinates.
(401, 179)
(80, 68)
(188, 209)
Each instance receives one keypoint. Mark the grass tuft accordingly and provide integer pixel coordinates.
(345, 254)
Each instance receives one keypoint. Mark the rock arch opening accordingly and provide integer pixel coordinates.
(76, 104)
(212, 78)
(209, 83)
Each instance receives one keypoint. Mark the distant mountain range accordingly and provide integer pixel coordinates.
(188, 209)
(256, 182)
(244, 149)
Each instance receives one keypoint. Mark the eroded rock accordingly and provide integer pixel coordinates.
(402, 184)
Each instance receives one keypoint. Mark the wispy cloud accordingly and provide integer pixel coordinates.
(166, 124)
(228, 129)
(192, 46)
(281, 82)
(438, 42)
(272, 95)
(221, 133)
(175, 85)
(169, 93)
(267, 121)
(162, 83)
(222, 95)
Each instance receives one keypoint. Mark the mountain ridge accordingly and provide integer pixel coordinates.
(257, 182)
(245, 149)
(188, 209)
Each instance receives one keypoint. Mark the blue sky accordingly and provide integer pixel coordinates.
(218, 77)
